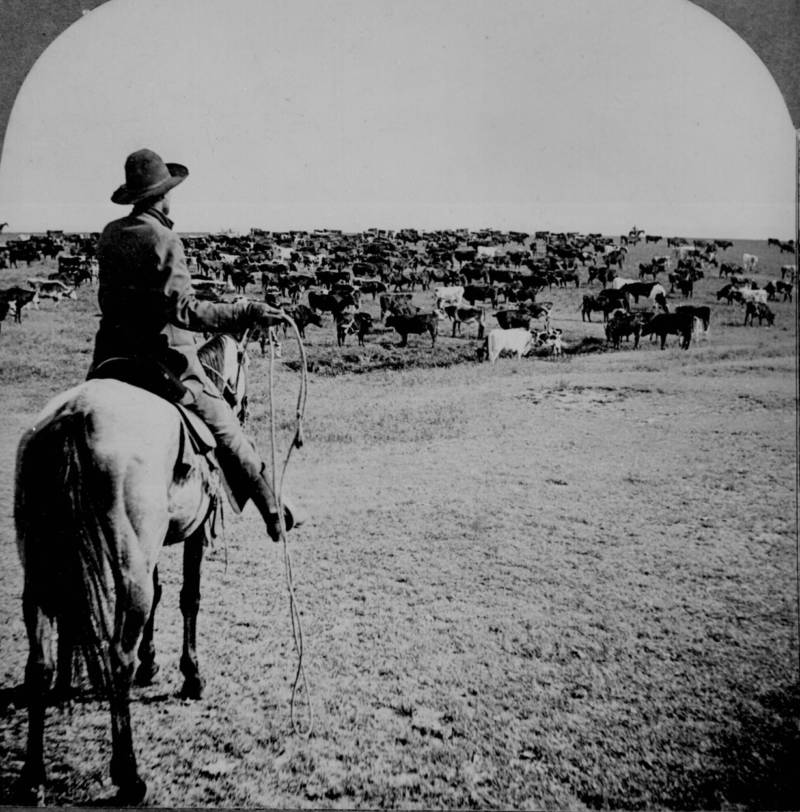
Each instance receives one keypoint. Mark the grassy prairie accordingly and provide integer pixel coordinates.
(538, 584)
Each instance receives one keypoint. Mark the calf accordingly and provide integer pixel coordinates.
(417, 324)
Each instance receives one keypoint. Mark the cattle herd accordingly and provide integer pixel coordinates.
(416, 282)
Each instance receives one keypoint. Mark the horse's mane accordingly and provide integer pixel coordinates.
(212, 354)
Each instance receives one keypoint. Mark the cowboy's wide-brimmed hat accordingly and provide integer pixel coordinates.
(146, 175)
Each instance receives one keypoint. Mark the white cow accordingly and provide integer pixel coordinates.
(452, 295)
(517, 340)
(757, 296)
(749, 262)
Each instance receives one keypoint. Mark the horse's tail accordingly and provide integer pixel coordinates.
(69, 568)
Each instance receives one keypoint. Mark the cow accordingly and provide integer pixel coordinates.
(624, 325)
(602, 275)
(745, 295)
(303, 316)
(475, 293)
(517, 340)
(664, 324)
(348, 321)
(784, 288)
(52, 289)
(701, 315)
(650, 290)
(760, 311)
(749, 262)
(724, 244)
(5, 307)
(551, 339)
(618, 297)
(18, 298)
(592, 303)
(790, 270)
(398, 303)
(418, 323)
(373, 286)
(331, 302)
(453, 294)
(508, 319)
(652, 238)
(466, 315)
(686, 286)
(651, 269)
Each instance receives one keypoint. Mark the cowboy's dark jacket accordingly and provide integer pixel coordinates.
(146, 299)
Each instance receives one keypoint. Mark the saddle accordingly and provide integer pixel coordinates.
(155, 377)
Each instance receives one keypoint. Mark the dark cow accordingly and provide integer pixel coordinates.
(349, 322)
(702, 312)
(723, 244)
(784, 288)
(646, 289)
(592, 303)
(508, 319)
(303, 316)
(466, 315)
(664, 324)
(652, 238)
(603, 275)
(760, 311)
(686, 287)
(4, 308)
(417, 324)
(624, 325)
(398, 303)
(331, 302)
(615, 296)
(373, 286)
(727, 293)
(475, 293)
(19, 297)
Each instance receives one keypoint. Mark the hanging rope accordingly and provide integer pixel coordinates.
(300, 678)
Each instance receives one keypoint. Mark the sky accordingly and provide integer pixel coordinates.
(571, 115)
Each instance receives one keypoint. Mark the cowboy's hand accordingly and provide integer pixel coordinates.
(265, 315)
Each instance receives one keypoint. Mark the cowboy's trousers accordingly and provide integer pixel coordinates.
(238, 458)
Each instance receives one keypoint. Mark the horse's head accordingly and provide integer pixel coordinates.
(225, 361)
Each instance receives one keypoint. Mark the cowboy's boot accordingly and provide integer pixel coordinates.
(264, 499)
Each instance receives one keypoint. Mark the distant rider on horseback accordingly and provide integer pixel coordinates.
(149, 313)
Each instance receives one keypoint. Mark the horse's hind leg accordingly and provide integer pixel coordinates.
(38, 674)
(134, 601)
(190, 606)
(148, 667)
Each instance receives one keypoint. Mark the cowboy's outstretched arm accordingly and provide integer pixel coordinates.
(185, 310)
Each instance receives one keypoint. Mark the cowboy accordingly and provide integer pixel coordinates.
(149, 313)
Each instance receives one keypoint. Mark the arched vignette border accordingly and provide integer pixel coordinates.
(770, 27)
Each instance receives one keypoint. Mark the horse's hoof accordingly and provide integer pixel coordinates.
(192, 688)
(146, 674)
